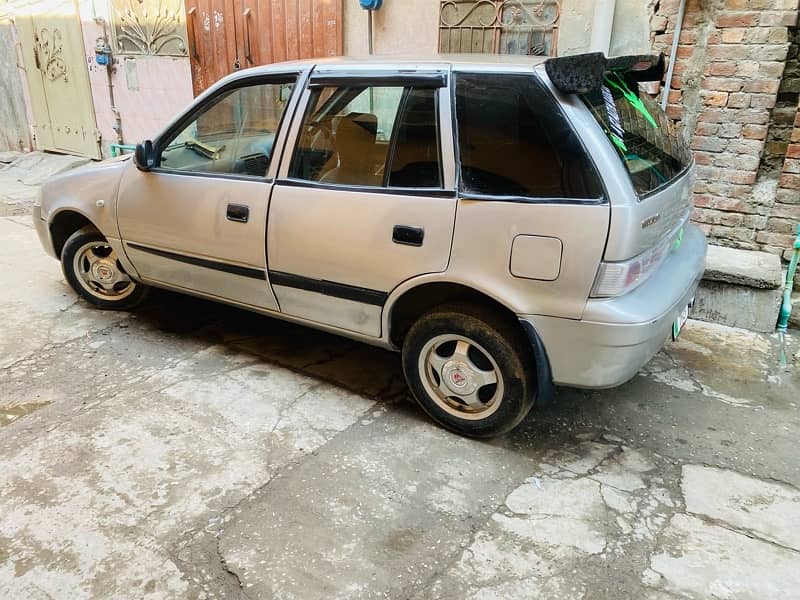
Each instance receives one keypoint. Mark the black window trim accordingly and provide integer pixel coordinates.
(467, 195)
(381, 78)
(367, 189)
(294, 77)
(346, 81)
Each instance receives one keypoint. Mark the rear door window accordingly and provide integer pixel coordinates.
(382, 136)
(514, 141)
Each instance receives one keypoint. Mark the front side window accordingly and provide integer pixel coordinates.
(369, 136)
(514, 141)
(235, 134)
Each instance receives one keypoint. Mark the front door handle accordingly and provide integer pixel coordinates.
(238, 212)
(407, 235)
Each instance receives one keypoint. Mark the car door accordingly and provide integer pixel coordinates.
(365, 199)
(197, 220)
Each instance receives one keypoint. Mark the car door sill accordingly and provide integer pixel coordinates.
(347, 333)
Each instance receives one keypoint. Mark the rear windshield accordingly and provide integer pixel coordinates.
(649, 144)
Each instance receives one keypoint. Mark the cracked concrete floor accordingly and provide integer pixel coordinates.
(192, 450)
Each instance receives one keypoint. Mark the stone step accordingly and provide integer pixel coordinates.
(740, 288)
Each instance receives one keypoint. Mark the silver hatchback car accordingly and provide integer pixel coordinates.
(508, 223)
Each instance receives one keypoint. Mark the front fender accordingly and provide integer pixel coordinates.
(90, 191)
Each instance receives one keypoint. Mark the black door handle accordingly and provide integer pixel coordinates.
(238, 213)
(407, 235)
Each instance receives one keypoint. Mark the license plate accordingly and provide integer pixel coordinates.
(677, 325)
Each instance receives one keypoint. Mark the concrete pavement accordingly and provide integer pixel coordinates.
(192, 450)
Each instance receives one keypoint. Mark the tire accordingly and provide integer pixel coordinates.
(93, 271)
(470, 369)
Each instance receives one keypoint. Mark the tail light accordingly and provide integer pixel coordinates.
(619, 278)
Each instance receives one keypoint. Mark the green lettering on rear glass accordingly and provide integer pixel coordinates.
(631, 97)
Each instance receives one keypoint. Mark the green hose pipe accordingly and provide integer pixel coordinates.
(786, 306)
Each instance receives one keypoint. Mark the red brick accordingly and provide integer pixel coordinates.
(737, 19)
(781, 240)
(724, 69)
(791, 165)
(752, 117)
(709, 144)
(704, 158)
(763, 100)
(706, 129)
(734, 205)
(762, 86)
(786, 18)
(685, 51)
(739, 100)
(771, 70)
(734, 35)
(674, 112)
(722, 84)
(789, 181)
(717, 99)
(755, 132)
(702, 200)
(735, 176)
(793, 151)
(729, 52)
(786, 211)
(714, 115)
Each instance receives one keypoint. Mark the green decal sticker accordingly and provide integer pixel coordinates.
(618, 142)
(679, 239)
(632, 98)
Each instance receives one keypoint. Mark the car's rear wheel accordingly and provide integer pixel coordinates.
(93, 270)
(470, 370)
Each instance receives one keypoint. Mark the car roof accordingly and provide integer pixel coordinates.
(456, 62)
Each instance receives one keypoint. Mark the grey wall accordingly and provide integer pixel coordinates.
(14, 130)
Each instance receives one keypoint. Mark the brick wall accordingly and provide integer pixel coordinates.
(728, 74)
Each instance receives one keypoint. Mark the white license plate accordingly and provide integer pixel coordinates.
(677, 325)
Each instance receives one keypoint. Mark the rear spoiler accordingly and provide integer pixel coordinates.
(584, 73)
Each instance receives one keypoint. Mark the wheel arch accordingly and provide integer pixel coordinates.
(63, 224)
(413, 301)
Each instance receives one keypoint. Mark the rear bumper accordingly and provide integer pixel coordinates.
(617, 337)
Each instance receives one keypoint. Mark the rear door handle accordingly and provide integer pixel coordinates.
(407, 235)
(238, 212)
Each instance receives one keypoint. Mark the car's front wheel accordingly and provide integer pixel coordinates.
(93, 270)
(470, 369)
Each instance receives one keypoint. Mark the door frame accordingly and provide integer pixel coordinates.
(342, 296)
(247, 275)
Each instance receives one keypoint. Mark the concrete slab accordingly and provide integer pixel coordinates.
(744, 267)
(192, 450)
(767, 509)
(736, 305)
(701, 560)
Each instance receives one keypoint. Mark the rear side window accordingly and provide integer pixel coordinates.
(515, 141)
(370, 136)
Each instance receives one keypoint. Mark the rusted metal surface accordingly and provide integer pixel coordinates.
(227, 35)
(499, 26)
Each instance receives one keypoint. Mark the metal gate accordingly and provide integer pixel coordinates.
(58, 80)
(227, 35)
(499, 26)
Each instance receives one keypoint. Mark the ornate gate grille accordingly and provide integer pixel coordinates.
(499, 26)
